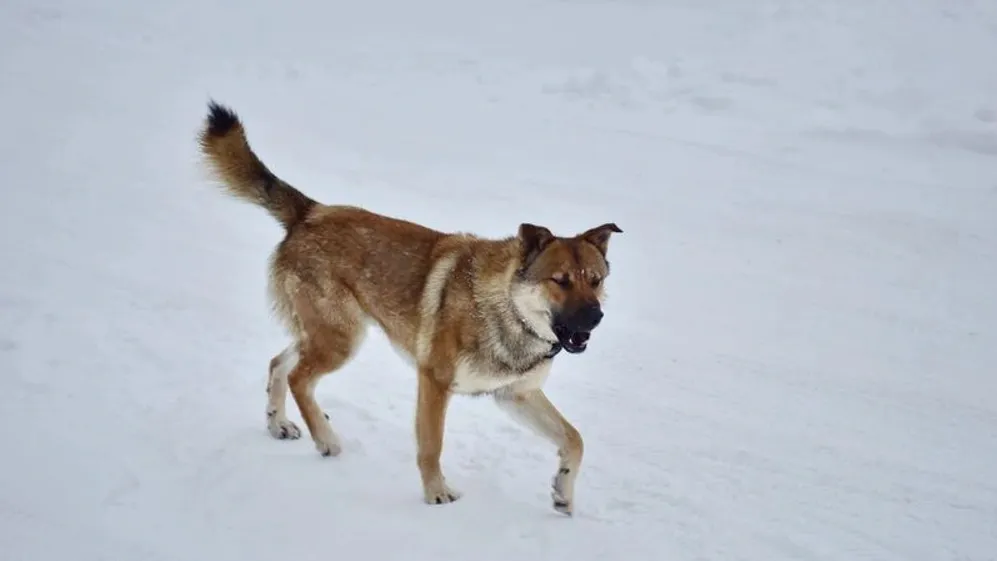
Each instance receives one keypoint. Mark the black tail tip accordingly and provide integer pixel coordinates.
(221, 119)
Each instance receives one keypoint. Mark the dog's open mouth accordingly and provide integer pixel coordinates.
(572, 341)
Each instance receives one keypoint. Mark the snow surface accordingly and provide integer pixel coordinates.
(798, 357)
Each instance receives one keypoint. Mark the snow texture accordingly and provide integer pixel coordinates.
(798, 358)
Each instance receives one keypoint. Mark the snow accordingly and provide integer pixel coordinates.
(798, 356)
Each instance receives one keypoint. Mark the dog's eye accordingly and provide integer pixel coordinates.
(596, 282)
(563, 282)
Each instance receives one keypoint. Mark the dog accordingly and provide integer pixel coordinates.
(475, 316)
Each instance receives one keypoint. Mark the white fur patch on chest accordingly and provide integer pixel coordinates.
(470, 379)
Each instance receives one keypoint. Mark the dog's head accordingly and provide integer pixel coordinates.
(559, 283)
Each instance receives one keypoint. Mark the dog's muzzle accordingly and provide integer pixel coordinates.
(573, 330)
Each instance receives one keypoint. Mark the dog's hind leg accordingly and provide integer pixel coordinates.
(277, 422)
(331, 330)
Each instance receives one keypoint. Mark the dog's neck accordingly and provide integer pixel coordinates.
(520, 321)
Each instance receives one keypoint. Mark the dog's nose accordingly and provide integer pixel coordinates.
(595, 316)
(589, 317)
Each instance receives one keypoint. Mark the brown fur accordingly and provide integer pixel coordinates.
(474, 315)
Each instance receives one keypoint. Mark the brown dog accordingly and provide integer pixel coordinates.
(476, 316)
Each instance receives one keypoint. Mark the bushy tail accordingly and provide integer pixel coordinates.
(223, 141)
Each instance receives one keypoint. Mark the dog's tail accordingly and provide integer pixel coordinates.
(223, 141)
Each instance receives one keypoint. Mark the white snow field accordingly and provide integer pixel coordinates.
(798, 359)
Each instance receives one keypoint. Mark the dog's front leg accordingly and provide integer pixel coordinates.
(430, 417)
(534, 410)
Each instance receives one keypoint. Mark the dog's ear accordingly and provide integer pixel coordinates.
(599, 236)
(533, 240)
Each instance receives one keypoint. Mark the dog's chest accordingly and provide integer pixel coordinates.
(475, 378)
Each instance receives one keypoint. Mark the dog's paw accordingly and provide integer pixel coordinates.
(562, 505)
(282, 429)
(329, 448)
(441, 494)
(559, 495)
(326, 440)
